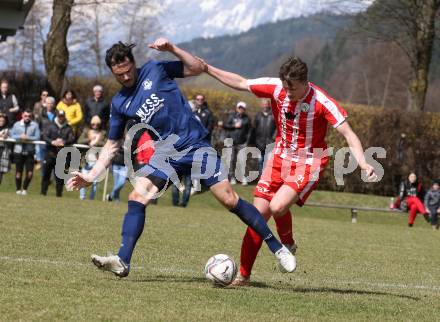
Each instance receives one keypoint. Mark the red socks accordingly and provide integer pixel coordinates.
(252, 242)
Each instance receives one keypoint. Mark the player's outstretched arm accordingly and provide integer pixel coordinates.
(232, 80)
(81, 180)
(192, 65)
(355, 146)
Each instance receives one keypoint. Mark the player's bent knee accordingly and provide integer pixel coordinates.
(277, 209)
(230, 200)
(135, 196)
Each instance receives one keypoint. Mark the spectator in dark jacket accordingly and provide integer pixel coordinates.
(5, 150)
(56, 135)
(432, 203)
(24, 130)
(96, 105)
(8, 103)
(411, 198)
(263, 131)
(203, 113)
(47, 116)
(238, 127)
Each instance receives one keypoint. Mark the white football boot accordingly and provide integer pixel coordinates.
(111, 263)
(286, 261)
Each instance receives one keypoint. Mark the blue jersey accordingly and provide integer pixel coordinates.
(157, 101)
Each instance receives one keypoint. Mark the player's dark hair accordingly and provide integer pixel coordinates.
(116, 54)
(294, 69)
(28, 110)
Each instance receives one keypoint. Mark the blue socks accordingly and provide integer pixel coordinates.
(131, 229)
(252, 217)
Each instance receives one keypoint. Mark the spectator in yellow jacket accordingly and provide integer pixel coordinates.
(72, 109)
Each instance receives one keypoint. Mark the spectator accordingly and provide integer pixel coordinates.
(120, 173)
(218, 137)
(264, 131)
(203, 113)
(238, 126)
(56, 135)
(24, 130)
(96, 105)
(186, 179)
(47, 115)
(8, 103)
(411, 198)
(5, 151)
(40, 105)
(72, 110)
(93, 136)
(432, 203)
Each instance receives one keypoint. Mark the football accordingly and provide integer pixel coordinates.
(221, 270)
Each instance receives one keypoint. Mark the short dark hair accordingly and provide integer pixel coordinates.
(69, 91)
(116, 54)
(294, 69)
(28, 110)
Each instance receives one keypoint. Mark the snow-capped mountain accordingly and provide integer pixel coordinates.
(183, 20)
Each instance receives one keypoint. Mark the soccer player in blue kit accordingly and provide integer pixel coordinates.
(150, 96)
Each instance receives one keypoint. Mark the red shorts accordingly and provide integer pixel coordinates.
(301, 176)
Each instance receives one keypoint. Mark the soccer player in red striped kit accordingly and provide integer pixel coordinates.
(302, 112)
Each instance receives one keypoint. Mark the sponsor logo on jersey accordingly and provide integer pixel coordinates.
(150, 106)
(147, 84)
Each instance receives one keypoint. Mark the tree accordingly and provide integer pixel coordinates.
(411, 25)
(55, 51)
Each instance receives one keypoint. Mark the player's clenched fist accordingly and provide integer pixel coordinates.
(161, 44)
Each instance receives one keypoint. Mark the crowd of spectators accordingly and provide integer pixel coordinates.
(66, 122)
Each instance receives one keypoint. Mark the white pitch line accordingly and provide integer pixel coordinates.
(194, 272)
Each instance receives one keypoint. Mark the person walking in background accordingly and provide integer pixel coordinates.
(93, 136)
(5, 151)
(8, 103)
(263, 131)
(432, 203)
(411, 198)
(72, 110)
(96, 105)
(24, 130)
(56, 135)
(238, 126)
(120, 174)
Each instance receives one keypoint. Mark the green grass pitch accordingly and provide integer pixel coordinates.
(375, 270)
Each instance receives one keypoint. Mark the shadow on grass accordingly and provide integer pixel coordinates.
(305, 290)
(168, 278)
(281, 287)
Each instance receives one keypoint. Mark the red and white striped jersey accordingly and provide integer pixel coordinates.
(301, 125)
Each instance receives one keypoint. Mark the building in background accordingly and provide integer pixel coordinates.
(13, 13)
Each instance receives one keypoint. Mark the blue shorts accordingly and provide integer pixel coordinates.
(201, 162)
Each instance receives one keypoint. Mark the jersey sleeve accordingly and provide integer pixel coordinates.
(264, 87)
(173, 69)
(117, 124)
(333, 113)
